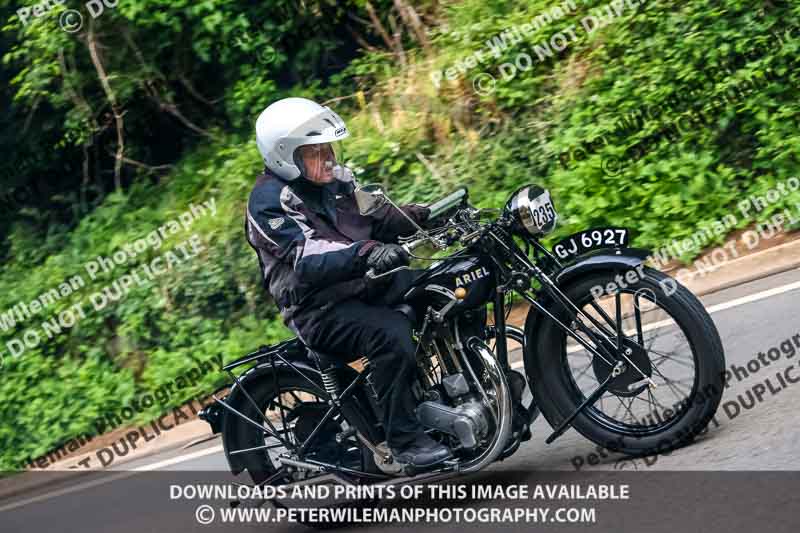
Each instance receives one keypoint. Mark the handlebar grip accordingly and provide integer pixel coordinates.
(448, 202)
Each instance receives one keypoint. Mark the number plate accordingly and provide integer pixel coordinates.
(542, 212)
(591, 239)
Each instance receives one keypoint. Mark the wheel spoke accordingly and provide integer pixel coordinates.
(618, 407)
(677, 362)
(635, 328)
(661, 353)
(600, 311)
(618, 304)
(655, 400)
(628, 408)
(296, 397)
(669, 384)
(637, 315)
(583, 372)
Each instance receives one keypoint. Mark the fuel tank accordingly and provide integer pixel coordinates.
(433, 287)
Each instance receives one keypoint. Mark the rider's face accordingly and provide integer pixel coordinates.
(319, 160)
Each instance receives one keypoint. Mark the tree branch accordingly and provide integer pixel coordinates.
(149, 84)
(29, 118)
(194, 92)
(412, 20)
(92, 43)
(359, 39)
(398, 40)
(376, 23)
(80, 102)
(152, 168)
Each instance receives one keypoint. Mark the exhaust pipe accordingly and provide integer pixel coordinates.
(503, 412)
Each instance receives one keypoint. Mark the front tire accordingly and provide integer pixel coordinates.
(670, 423)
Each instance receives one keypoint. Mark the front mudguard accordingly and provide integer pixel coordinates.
(616, 260)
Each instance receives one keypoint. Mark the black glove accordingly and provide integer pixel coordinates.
(422, 214)
(419, 213)
(385, 257)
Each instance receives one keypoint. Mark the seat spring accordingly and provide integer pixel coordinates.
(330, 382)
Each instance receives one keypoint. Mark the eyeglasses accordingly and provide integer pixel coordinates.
(323, 151)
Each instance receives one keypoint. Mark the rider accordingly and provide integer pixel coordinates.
(314, 248)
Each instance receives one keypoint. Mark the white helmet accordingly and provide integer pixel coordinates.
(290, 123)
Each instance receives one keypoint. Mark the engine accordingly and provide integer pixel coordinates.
(452, 406)
(467, 422)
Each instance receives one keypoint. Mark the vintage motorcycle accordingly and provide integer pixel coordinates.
(618, 351)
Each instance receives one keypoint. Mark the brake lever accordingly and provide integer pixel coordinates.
(371, 275)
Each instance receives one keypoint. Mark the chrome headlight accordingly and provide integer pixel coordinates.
(532, 210)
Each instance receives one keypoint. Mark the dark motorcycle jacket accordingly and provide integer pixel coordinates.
(311, 241)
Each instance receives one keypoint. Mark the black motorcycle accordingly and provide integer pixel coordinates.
(618, 351)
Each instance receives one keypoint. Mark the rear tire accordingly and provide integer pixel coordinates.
(559, 395)
(259, 464)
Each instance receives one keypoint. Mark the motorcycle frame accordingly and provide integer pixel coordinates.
(517, 279)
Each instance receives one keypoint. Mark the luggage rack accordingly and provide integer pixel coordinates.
(285, 351)
(264, 353)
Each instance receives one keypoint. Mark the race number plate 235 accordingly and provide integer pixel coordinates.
(591, 239)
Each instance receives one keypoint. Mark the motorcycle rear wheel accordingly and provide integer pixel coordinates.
(293, 394)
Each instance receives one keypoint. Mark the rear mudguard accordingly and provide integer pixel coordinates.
(617, 260)
(224, 421)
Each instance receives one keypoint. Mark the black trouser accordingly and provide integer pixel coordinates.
(353, 328)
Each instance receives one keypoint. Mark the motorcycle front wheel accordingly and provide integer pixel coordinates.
(674, 364)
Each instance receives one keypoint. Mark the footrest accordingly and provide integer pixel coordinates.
(452, 463)
(448, 465)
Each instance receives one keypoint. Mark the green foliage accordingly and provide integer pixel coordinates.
(213, 304)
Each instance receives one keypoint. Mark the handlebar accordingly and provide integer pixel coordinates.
(408, 247)
(448, 202)
(437, 208)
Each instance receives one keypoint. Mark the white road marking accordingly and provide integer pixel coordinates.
(754, 297)
(107, 479)
(66, 490)
(179, 459)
